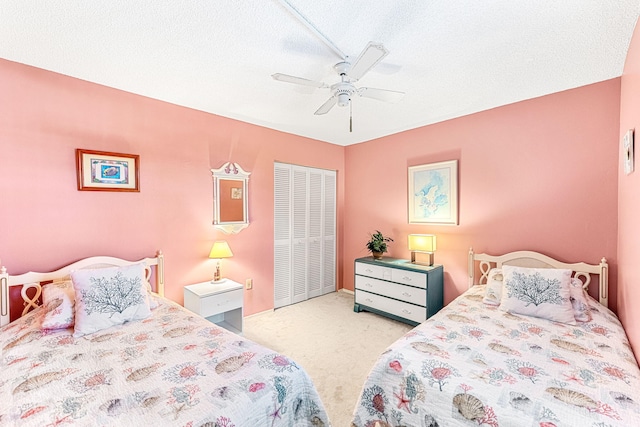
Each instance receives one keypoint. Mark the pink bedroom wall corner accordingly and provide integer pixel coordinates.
(628, 292)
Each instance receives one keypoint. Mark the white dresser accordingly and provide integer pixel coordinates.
(220, 303)
(396, 288)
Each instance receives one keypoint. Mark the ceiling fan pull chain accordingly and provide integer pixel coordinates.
(350, 116)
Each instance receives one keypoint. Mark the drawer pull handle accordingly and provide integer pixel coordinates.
(368, 300)
(406, 294)
(368, 270)
(368, 285)
(408, 279)
(404, 310)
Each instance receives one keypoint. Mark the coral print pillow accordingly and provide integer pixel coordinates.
(59, 302)
(538, 292)
(109, 296)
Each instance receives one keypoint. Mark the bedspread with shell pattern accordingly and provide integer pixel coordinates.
(475, 365)
(171, 369)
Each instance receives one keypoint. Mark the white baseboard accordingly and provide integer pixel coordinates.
(259, 313)
(271, 310)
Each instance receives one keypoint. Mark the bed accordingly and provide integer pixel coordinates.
(167, 367)
(478, 363)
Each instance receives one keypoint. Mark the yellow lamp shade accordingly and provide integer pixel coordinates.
(422, 242)
(220, 249)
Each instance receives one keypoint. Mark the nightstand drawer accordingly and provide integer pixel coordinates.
(220, 303)
(409, 278)
(393, 290)
(377, 271)
(396, 308)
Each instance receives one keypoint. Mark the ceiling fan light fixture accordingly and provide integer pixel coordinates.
(343, 99)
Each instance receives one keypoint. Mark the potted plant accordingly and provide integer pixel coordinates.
(377, 244)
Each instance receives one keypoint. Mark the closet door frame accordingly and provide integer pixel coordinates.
(301, 270)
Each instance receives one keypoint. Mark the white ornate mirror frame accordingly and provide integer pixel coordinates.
(230, 198)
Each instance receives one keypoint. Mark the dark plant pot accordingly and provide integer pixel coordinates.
(377, 255)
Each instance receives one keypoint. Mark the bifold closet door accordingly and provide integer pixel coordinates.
(282, 235)
(304, 233)
(329, 233)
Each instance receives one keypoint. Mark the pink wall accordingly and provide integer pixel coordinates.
(538, 175)
(629, 201)
(46, 223)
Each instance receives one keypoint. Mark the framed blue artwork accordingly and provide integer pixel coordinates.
(433, 193)
(106, 171)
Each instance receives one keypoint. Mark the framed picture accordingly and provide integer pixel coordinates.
(105, 171)
(433, 193)
(236, 193)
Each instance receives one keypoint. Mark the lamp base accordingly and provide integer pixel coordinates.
(428, 262)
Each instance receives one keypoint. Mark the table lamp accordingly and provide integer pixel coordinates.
(422, 243)
(219, 250)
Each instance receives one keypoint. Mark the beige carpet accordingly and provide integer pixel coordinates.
(336, 346)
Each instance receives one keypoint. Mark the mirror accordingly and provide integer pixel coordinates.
(230, 197)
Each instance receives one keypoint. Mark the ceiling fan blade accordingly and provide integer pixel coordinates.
(369, 57)
(381, 94)
(328, 105)
(297, 80)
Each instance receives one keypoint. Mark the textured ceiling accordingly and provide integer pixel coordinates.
(451, 58)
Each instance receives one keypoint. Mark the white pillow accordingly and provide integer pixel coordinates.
(538, 292)
(493, 291)
(109, 296)
(58, 299)
(581, 310)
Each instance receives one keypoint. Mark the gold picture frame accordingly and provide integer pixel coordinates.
(107, 171)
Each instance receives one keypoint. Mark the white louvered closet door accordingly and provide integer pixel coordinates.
(282, 235)
(304, 237)
(329, 233)
(314, 253)
(300, 233)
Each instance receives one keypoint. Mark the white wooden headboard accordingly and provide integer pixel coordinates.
(531, 259)
(34, 279)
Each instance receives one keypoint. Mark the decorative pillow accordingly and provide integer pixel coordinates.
(109, 296)
(153, 302)
(493, 291)
(581, 310)
(58, 299)
(538, 292)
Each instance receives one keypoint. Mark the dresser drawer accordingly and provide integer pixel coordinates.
(376, 271)
(411, 278)
(220, 303)
(397, 308)
(393, 290)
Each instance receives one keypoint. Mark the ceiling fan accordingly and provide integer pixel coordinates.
(349, 71)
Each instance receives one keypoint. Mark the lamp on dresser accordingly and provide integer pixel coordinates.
(219, 250)
(422, 244)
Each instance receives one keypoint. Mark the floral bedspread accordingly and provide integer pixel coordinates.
(171, 369)
(473, 364)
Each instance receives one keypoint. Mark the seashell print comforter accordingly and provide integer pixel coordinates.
(171, 369)
(474, 365)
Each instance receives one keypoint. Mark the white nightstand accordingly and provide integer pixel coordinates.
(220, 303)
